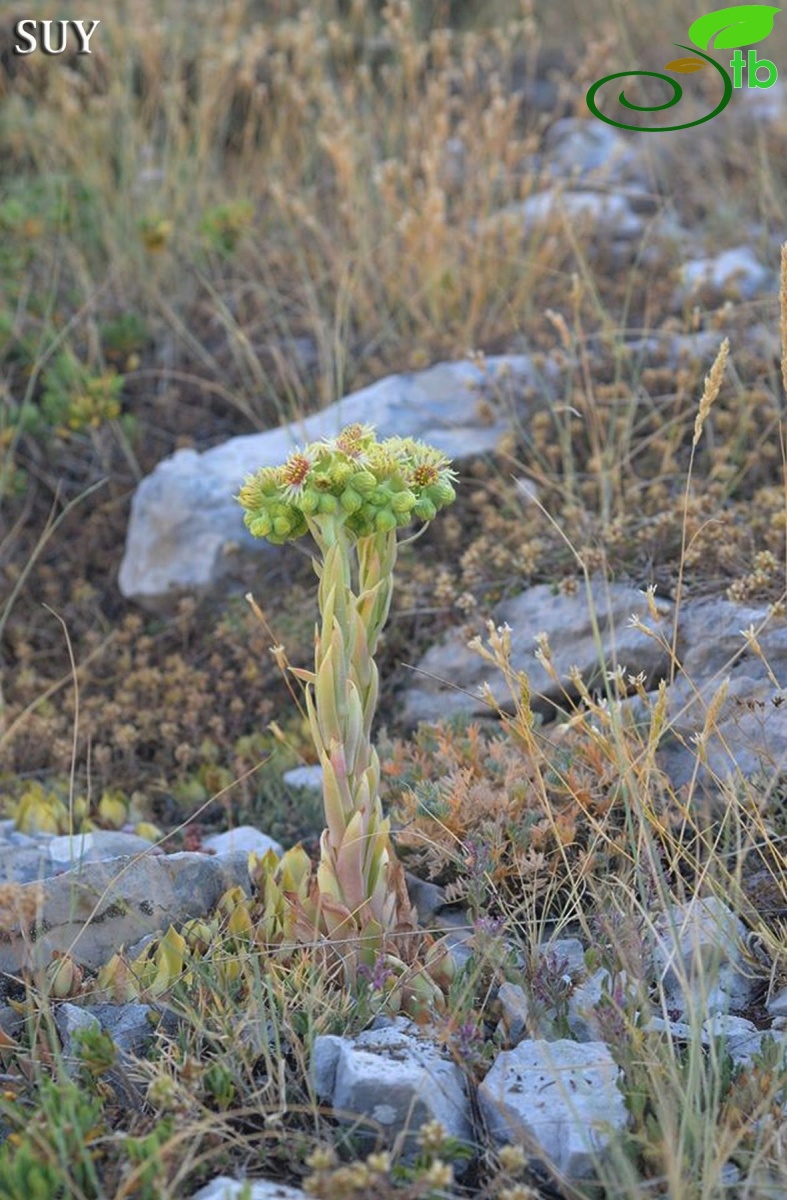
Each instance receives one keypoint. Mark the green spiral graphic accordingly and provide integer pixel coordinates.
(677, 94)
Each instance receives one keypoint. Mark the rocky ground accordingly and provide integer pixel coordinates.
(644, 599)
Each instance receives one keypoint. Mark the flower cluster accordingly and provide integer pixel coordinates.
(370, 486)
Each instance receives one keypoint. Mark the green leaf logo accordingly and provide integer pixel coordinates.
(741, 25)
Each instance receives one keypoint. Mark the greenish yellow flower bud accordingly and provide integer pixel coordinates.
(282, 526)
(350, 500)
(425, 510)
(441, 493)
(341, 474)
(385, 521)
(403, 503)
(149, 831)
(328, 503)
(364, 482)
(259, 526)
(309, 501)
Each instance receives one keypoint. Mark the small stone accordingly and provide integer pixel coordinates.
(428, 898)
(698, 946)
(777, 1005)
(560, 1095)
(99, 846)
(225, 1188)
(70, 1020)
(309, 778)
(578, 148)
(395, 1076)
(582, 1004)
(516, 1010)
(597, 209)
(737, 269)
(741, 1038)
(129, 1025)
(245, 838)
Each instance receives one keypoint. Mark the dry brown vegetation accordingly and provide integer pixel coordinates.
(238, 213)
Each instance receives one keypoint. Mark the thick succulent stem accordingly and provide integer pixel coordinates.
(352, 494)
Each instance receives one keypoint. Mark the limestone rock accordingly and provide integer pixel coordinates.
(568, 623)
(245, 839)
(68, 852)
(94, 911)
(186, 531)
(595, 209)
(737, 269)
(698, 958)
(559, 1098)
(397, 1078)
(751, 725)
(308, 777)
(577, 148)
(225, 1188)
(582, 1005)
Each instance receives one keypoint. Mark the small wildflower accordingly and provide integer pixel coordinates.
(512, 1159)
(379, 1163)
(438, 1175)
(432, 1135)
(322, 1158)
(354, 440)
(294, 474)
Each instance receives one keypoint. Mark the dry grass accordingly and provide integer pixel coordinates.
(242, 215)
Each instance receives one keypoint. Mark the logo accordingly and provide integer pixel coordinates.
(724, 29)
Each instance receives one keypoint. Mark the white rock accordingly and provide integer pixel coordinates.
(71, 1019)
(516, 1008)
(777, 1005)
(750, 732)
(308, 777)
(106, 905)
(698, 958)
(186, 530)
(98, 846)
(396, 1077)
(596, 209)
(245, 838)
(568, 623)
(559, 1098)
(583, 1001)
(741, 1038)
(737, 268)
(225, 1188)
(578, 147)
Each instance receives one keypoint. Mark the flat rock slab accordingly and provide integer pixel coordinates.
(450, 676)
(698, 953)
(559, 1098)
(95, 910)
(397, 1078)
(186, 530)
(69, 851)
(750, 734)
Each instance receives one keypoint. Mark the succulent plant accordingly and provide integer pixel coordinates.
(353, 494)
